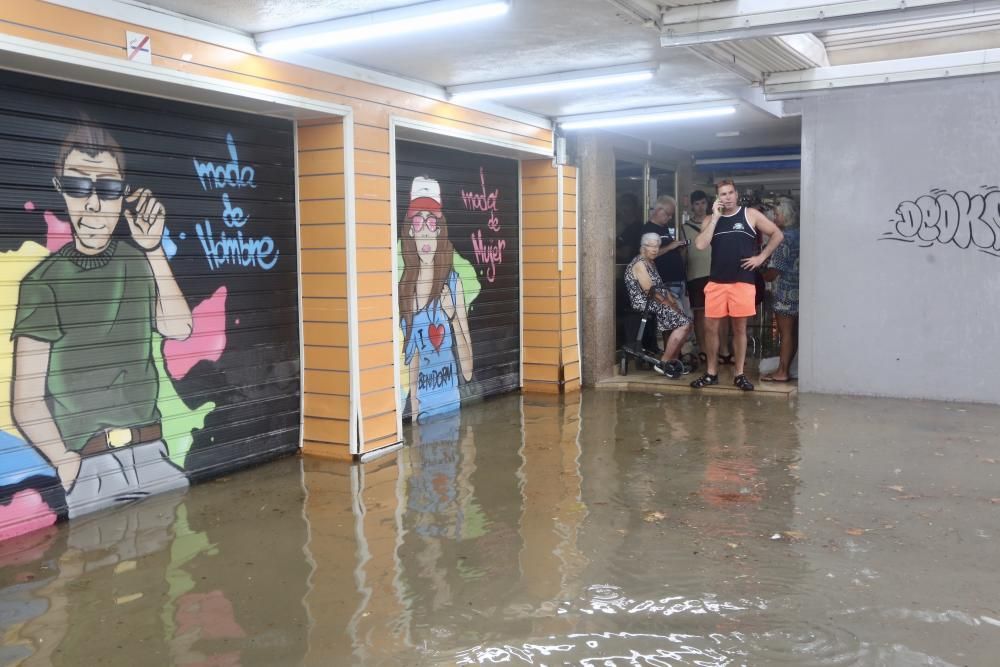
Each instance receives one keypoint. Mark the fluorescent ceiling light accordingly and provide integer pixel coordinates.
(550, 83)
(645, 116)
(424, 16)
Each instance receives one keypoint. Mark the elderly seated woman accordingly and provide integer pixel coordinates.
(641, 276)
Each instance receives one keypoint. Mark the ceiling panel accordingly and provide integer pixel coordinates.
(535, 37)
(258, 15)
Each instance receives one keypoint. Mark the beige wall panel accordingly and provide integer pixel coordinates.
(327, 406)
(321, 357)
(326, 186)
(323, 236)
(324, 333)
(327, 286)
(327, 382)
(327, 161)
(322, 212)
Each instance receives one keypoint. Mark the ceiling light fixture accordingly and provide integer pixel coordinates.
(424, 16)
(646, 116)
(551, 83)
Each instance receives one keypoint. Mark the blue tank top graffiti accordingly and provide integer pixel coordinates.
(433, 339)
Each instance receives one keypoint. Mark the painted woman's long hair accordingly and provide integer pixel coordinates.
(411, 270)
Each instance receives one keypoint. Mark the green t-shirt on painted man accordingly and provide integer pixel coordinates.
(98, 312)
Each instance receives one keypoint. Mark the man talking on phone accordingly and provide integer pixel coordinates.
(731, 231)
(85, 384)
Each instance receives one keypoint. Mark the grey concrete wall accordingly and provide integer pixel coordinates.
(900, 281)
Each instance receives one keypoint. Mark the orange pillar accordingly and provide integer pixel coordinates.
(348, 244)
(550, 345)
(325, 330)
(375, 248)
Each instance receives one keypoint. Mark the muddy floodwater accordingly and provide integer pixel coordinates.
(607, 528)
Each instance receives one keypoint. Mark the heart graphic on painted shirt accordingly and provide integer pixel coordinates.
(435, 333)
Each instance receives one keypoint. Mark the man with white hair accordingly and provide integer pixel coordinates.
(670, 259)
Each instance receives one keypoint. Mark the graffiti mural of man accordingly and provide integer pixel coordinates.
(85, 384)
(432, 308)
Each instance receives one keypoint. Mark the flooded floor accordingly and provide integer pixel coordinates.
(610, 528)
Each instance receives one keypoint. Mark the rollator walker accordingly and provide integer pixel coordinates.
(633, 348)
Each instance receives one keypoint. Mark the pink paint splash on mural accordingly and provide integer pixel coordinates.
(26, 512)
(58, 232)
(207, 340)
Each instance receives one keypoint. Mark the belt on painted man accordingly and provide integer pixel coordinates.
(114, 438)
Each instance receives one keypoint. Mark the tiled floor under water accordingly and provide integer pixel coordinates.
(610, 528)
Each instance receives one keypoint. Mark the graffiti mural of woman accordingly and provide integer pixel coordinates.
(432, 309)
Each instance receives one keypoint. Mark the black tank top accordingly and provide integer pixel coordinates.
(733, 241)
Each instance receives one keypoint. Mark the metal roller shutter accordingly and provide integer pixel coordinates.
(148, 266)
(460, 319)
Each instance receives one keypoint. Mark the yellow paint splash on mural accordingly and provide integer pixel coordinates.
(14, 265)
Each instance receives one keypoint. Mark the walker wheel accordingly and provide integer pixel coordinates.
(690, 362)
(623, 364)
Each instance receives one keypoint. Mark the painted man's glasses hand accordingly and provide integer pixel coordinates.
(81, 187)
(420, 220)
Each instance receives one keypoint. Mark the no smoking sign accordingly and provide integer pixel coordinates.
(138, 48)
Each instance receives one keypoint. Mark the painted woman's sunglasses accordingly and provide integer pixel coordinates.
(419, 221)
(81, 187)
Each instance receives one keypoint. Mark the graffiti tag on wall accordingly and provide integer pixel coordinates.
(235, 248)
(943, 218)
(488, 251)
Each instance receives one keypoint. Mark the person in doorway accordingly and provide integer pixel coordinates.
(784, 271)
(670, 258)
(699, 265)
(731, 232)
(85, 383)
(641, 277)
(432, 310)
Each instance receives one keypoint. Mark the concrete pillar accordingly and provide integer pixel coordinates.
(597, 257)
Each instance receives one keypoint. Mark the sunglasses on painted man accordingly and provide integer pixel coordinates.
(81, 187)
(419, 221)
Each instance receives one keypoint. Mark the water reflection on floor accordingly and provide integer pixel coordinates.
(603, 529)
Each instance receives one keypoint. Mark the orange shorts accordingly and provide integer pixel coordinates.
(730, 300)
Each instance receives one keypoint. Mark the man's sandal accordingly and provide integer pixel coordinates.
(743, 382)
(726, 360)
(705, 380)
